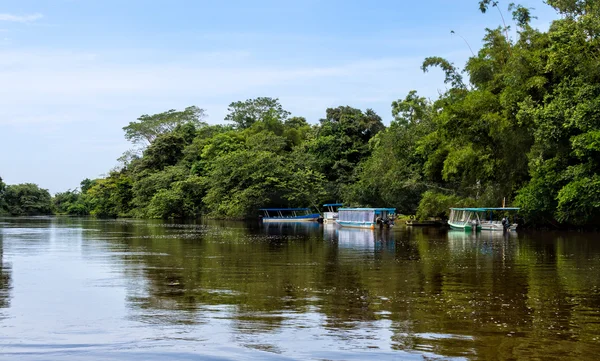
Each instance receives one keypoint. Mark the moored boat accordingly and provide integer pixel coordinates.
(365, 217)
(482, 219)
(289, 215)
(332, 212)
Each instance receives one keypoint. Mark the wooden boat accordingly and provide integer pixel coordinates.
(332, 212)
(289, 215)
(365, 217)
(481, 219)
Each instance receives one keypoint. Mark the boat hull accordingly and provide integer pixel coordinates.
(482, 227)
(464, 227)
(497, 227)
(368, 225)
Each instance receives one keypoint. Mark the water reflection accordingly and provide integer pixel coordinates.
(302, 290)
(5, 278)
(359, 239)
(287, 228)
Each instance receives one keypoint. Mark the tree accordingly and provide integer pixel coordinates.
(564, 160)
(245, 114)
(111, 196)
(182, 199)
(149, 127)
(436, 204)
(27, 199)
(340, 143)
(85, 185)
(63, 202)
(2, 195)
(148, 184)
(521, 120)
(165, 151)
(392, 175)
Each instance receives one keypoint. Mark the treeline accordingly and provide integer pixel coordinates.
(521, 121)
(24, 200)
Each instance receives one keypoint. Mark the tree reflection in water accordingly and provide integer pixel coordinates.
(293, 288)
(5, 278)
(452, 293)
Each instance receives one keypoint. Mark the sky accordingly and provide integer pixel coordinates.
(73, 73)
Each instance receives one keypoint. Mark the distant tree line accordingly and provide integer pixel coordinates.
(521, 121)
(24, 200)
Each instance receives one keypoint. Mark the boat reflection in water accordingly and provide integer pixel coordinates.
(279, 228)
(484, 242)
(359, 238)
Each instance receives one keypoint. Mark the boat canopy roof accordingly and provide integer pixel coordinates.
(284, 209)
(486, 209)
(333, 204)
(368, 209)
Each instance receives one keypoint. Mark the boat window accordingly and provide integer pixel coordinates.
(356, 216)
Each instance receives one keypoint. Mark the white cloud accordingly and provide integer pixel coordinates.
(21, 18)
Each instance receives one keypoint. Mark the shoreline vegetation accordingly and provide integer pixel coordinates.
(520, 120)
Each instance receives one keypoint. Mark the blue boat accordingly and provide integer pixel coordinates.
(289, 215)
(332, 212)
(365, 217)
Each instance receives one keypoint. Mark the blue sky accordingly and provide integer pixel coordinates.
(74, 72)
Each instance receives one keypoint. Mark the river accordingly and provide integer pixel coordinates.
(86, 289)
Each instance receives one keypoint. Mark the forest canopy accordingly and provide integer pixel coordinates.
(519, 121)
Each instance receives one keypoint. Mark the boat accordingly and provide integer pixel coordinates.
(365, 217)
(289, 215)
(332, 212)
(481, 219)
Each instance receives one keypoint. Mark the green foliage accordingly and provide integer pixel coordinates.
(149, 127)
(520, 121)
(27, 200)
(2, 200)
(64, 201)
(340, 143)
(111, 196)
(243, 181)
(453, 76)
(434, 204)
(392, 175)
(579, 201)
(166, 150)
(245, 114)
(148, 184)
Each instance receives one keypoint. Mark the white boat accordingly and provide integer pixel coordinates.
(481, 219)
(365, 217)
(332, 212)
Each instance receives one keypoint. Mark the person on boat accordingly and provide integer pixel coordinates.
(505, 224)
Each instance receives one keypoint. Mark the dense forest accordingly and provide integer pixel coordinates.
(520, 120)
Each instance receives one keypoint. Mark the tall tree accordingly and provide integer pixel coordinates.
(392, 175)
(149, 127)
(245, 113)
(340, 143)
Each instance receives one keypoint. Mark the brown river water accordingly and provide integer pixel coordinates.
(85, 289)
